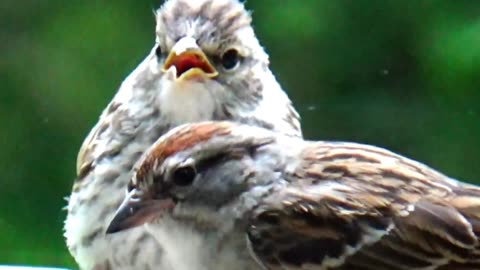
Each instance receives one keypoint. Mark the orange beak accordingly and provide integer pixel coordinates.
(189, 60)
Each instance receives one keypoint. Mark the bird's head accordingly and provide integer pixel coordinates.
(206, 39)
(207, 64)
(196, 172)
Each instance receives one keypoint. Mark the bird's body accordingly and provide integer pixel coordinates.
(278, 202)
(207, 64)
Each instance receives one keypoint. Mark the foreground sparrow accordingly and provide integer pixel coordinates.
(242, 197)
(207, 64)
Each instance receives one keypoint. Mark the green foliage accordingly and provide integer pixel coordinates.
(400, 74)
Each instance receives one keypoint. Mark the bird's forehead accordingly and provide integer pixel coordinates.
(181, 139)
(205, 20)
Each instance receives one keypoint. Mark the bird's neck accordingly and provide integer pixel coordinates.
(281, 157)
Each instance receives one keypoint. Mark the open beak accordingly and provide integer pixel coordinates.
(137, 210)
(189, 60)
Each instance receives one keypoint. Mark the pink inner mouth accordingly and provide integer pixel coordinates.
(189, 60)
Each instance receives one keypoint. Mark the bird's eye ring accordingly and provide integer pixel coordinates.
(184, 176)
(230, 59)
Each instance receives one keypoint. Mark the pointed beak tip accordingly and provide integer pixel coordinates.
(119, 221)
(127, 215)
(112, 228)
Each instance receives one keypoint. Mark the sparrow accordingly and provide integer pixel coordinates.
(206, 64)
(256, 199)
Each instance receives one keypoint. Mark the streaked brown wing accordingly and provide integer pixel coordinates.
(356, 208)
(295, 227)
(433, 236)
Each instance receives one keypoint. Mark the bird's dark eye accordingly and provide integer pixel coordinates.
(184, 176)
(230, 59)
(158, 51)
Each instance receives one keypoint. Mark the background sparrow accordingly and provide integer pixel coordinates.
(255, 199)
(207, 64)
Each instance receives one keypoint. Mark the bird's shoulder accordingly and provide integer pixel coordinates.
(115, 129)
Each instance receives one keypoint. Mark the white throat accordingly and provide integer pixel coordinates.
(188, 249)
(184, 101)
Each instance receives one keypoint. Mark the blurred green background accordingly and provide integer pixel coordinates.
(400, 74)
